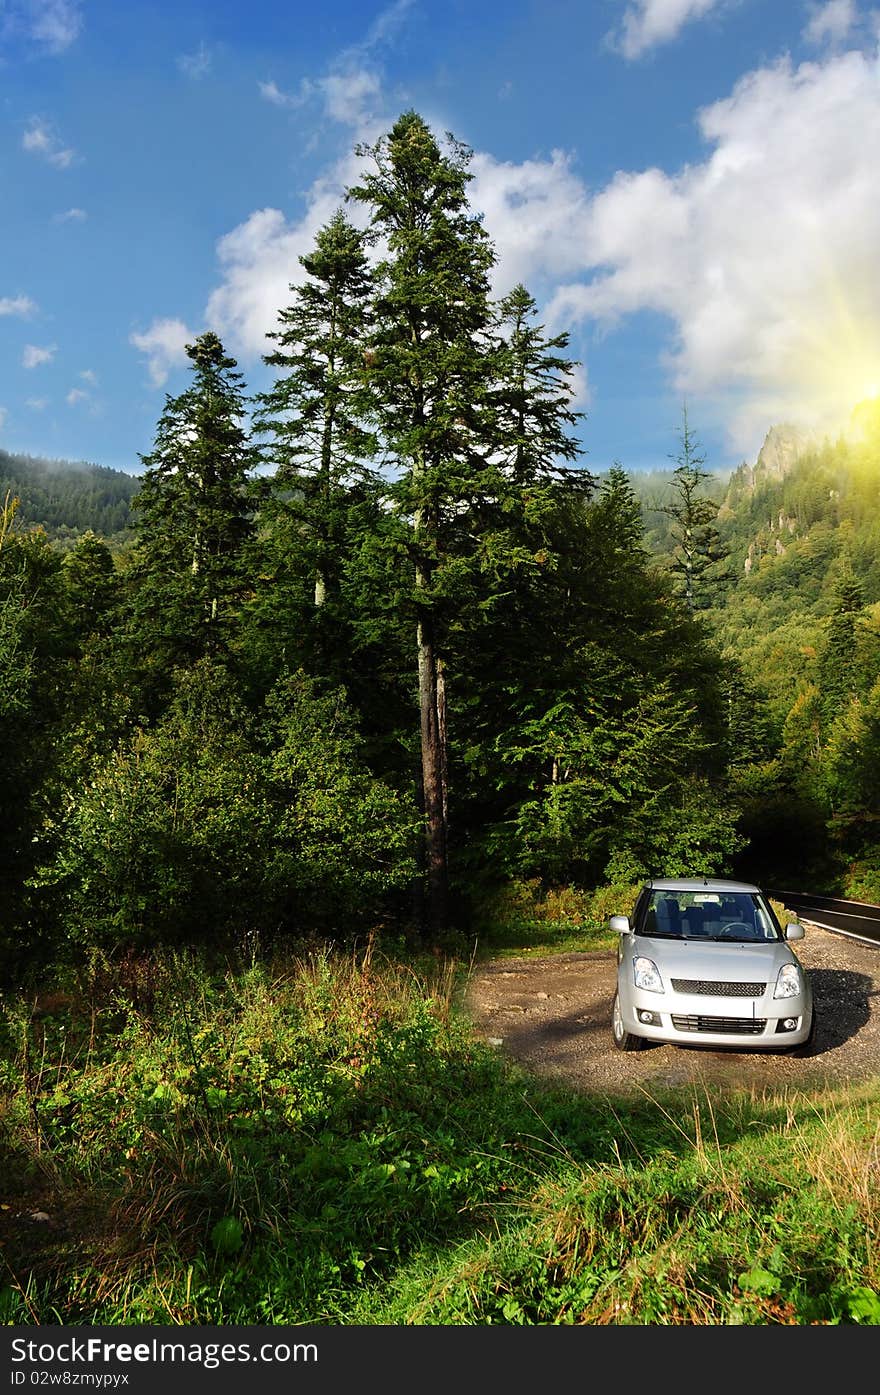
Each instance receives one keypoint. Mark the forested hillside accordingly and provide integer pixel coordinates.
(68, 498)
(794, 609)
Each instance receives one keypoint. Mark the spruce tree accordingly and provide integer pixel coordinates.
(837, 670)
(699, 549)
(193, 514)
(429, 370)
(533, 398)
(313, 413)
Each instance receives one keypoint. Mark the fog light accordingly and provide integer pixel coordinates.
(789, 1023)
(646, 1017)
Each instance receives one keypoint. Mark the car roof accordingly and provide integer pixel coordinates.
(698, 884)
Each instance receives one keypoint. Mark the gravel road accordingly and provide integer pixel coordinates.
(553, 1016)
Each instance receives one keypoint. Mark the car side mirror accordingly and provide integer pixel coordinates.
(794, 932)
(620, 924)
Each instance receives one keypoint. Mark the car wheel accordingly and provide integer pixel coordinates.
(623, 1040)
(805, 1048)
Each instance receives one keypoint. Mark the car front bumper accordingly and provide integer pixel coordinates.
(745, 1024)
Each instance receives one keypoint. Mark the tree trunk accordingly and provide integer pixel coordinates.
(433, 732)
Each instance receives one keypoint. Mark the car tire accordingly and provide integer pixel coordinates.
(623, 1040)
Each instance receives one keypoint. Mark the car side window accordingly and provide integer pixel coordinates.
(639, 908)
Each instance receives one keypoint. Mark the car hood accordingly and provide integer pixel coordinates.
(716, 960)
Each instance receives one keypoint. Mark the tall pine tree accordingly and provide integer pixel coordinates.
(429, 372)
(193, 515)
(314, 412)
(699, 549)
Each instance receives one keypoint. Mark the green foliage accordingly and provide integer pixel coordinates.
(799, 638)
(301, 697)
(167, 838)
(35, 651)
(346, 839)
(314, 419)
(227, 1236)
(203, 827)
(625, 786)
(523, 917)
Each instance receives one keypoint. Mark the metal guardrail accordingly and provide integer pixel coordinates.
(832, 902)
(858, 919)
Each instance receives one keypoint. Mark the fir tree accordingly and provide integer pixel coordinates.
(837, 669)
(533, 399)
(314, 410)
(698, 547)
(193, 513)
(429, 371)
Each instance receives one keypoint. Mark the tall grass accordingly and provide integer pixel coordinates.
(323, 1139)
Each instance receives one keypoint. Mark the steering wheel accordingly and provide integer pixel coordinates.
(734, 927)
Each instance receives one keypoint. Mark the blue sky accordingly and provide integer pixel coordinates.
(689, 187)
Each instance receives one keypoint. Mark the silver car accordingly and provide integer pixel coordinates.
(706, 963)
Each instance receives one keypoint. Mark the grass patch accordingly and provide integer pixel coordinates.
(527, 919)
(322, 1140)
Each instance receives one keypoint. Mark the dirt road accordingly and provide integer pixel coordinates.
(553, 1016)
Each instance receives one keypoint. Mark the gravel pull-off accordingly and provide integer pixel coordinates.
(553, 1015)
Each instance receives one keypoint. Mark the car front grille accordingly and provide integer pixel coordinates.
(734, 1026)
(718, 990)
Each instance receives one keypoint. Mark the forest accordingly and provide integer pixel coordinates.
(378, 646)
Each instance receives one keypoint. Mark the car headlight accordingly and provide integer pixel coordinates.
(788, 982)
(647, 975)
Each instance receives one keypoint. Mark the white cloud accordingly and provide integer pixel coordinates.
(37, 404)
(50, 25)
(40, 139)
(76, 395)
(88, 375)
(34, 355)
(351, 97)
(831, 22)
(17, 305)
(164, 345)
(271, 92)
(763, 257)
(72, 215)
(195, 65)
(4, 413)
(387, 24)
(648, 23)
(55, 23)
(535, 213)
(351, 91)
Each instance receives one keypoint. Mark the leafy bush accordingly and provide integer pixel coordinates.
(207, 823)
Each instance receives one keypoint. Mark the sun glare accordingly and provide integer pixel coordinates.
(829, 359)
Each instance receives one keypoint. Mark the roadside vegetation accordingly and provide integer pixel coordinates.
(323, 1140)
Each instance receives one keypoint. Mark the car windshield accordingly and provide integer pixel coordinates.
(742, 916)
